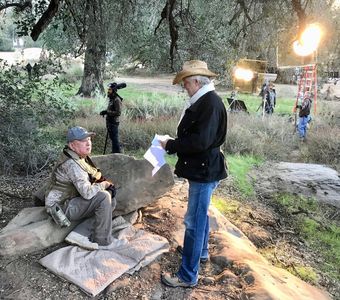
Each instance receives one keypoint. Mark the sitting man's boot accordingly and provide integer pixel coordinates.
(82, 241)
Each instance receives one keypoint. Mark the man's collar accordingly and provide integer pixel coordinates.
(72, 154)
(202, 91)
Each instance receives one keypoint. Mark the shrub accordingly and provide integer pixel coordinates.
(72, 74)
(146, 106)
(323, 145)
(28, 110)
(271, 138)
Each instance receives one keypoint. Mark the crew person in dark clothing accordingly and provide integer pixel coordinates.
(29, 70)
(268, 93)
(112, 114)
(304, 115)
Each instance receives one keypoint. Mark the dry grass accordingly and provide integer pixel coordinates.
(271, 139)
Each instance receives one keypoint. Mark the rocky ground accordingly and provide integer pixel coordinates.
(24, 278)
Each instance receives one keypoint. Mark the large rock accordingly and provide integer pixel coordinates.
(262, 280)
(310, 180)
(234, 256)
(32, 229)
(331, 91)
(136, 187)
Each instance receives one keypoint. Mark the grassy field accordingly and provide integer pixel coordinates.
(284, 106)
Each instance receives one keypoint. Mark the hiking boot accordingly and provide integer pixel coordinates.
(203, 260)
(75, 238)
(174, 281)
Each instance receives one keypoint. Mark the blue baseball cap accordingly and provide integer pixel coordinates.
(78, 133)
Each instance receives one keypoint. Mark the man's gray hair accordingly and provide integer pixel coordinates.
(202, 80)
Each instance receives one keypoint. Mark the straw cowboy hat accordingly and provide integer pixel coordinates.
(191, 68)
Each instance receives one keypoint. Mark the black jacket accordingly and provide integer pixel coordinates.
(114, 109)
(200, 134)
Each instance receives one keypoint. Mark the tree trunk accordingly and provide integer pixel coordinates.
(94, 64)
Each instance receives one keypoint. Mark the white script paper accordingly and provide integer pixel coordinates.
(155, 154)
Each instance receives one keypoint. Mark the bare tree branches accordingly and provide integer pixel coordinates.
(242, 9)
(168, 14)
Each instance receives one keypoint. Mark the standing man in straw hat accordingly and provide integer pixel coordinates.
(201, 131)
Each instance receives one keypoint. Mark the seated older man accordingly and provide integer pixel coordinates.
(80, 190)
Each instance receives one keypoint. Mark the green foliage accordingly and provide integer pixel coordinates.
(225, 206)
(322, 234)
(294, 202)
(324, 239)
(146, 105)
(28, 109)
(305, 273)
(71, 74)
(271, 137)
(6, 43)
(238, 167)
(283, 106)
(171, 160)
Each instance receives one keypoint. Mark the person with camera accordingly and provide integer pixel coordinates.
(112, 114)
(200, 133)
(81, 192)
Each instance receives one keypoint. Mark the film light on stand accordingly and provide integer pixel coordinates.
(308, 41)
(243, 74)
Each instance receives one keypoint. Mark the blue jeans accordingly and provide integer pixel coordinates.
(112, 128)
(196, 235)
(302, 126)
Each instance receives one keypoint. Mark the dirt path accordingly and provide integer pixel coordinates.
(163, 83)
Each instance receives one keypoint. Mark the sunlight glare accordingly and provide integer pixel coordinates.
(309, 41)
(243, 74)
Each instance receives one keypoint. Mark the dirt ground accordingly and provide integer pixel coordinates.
(24, 278)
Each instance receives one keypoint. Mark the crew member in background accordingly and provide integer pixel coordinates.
(200, 133)
(304, 115)
(268, 94)
(112, 114)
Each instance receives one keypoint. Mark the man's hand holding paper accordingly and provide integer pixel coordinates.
(155, 154)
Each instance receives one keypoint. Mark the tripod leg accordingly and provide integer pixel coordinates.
(107, 135)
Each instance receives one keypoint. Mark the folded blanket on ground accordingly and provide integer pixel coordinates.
(94, 270)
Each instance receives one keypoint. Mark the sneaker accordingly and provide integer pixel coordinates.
(203, 260)
(174, 281)
(75, 238)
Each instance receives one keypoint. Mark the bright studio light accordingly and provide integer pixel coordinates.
(309, 41)
(243, 74)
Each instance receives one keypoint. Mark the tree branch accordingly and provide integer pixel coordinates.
(297, 7)
(45, 19)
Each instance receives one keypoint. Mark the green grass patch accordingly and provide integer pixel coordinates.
(326, 241)
(297, 202)
(239, 167)
(225, 206)
(321, 234)
(305, 273)
(283, 105)
(171, 160)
